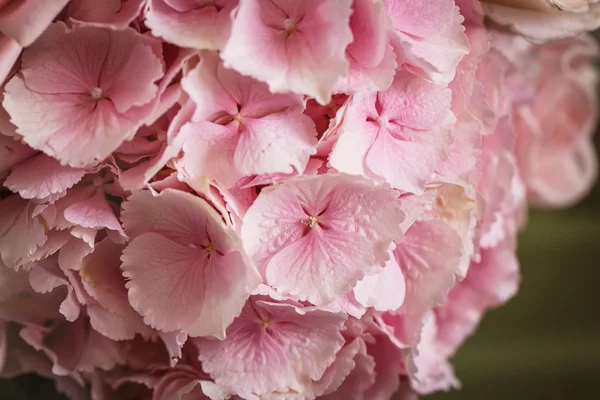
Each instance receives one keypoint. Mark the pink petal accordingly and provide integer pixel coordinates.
(247, 126)
(12, 152)
(360, 378)
(273, 347)
(136, 177)
(429, 258)
(42, 176)
(94, 213)
(25, 21)
(187, 271)
(46, 277)
(430, 36)
(20, 234)
(280, 142)
(372, 59)
(384, 291)
(84, 107)
(543, 25)
(191, 24)
(9, 53)
(307, 58)
(400, 135)
(309, 239)
(116, 14)
(489, 283)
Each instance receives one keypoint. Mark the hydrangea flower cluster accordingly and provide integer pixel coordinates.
(272, 199)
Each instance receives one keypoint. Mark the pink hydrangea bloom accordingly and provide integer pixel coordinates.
(186, 270)
(84, 106)
(491, 281)
(273, 347)
(306, 40)
(399, 135)
(274, 199)
(371, 55)
(315, 237)
(430, 38)
(544, 20)
(557, 129)
(239, 128)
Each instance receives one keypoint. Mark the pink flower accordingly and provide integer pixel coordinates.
(306, 44)
(429, 258)
(555, 147)
(22, 234)
(81, 92)
(430, 38)
(10, 50)
(491, 281)
(25, 20)
(12, 153)
(186, 270)
(371, 55)
(42, 177)
(545, 19)
(117, 14)
(239, 128)
(398, 136)
(273, 347)
(204, 24)
(315, 237)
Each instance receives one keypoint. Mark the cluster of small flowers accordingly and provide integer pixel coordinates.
(272, 199)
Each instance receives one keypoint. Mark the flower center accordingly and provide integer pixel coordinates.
(96, 93)
(311, 221)
(290, 26)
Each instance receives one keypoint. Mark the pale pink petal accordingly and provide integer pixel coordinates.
(372, 59)
(384, 291)
(25, 21)
(136, 177)
(239, 128)
(310, 240)
(9, 53)
(45, 277)
(273, 347)
(42, 176)
(388, 366)
(305, 44)
(20, 234)
(72, 252)
(94, 213)
(200, 25)
(79, 85)
(208, 151)
(429, 258)
(359, 379)
(400, 135)
(116, 14)
(428, 369)
(489, 283)
(304, 267)
(12, 152)
(546, 24)
(430, 36)
(280, 142)
(186, 272)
